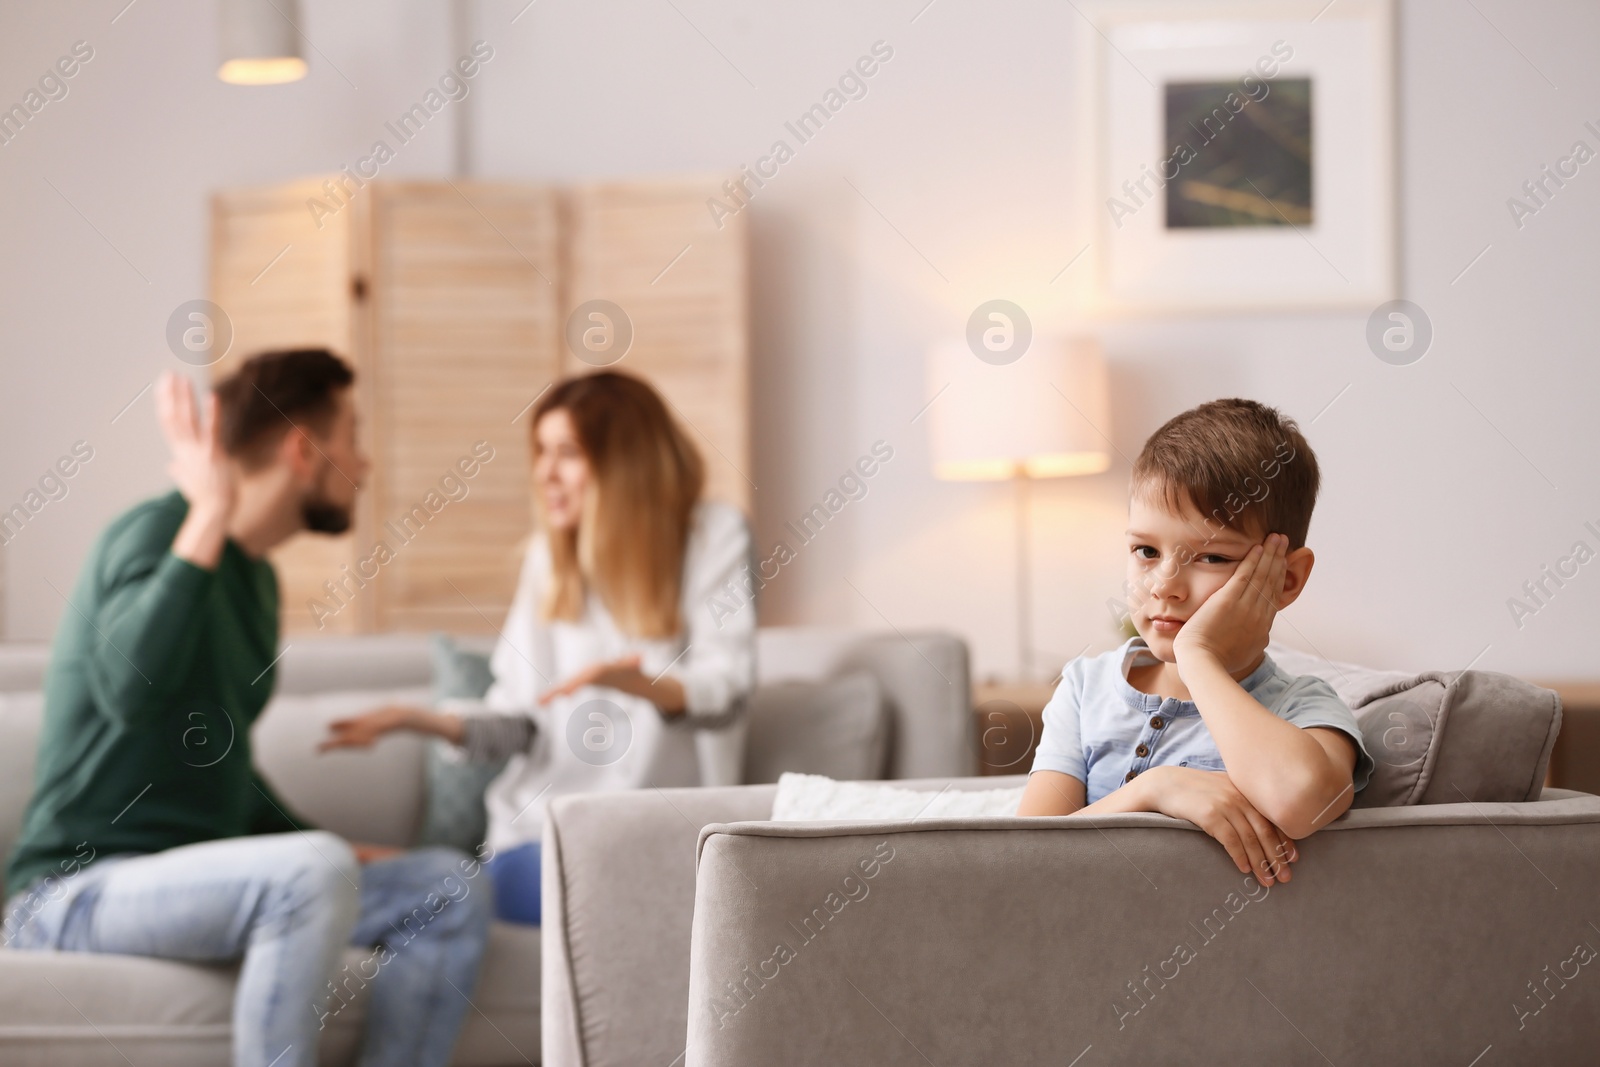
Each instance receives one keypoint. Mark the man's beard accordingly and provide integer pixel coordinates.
(324, 516)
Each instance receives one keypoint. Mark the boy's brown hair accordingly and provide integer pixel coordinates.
(1233, 459)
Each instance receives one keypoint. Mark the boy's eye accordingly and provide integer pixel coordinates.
(1150, 552)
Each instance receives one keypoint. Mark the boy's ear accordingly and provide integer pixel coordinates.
(1296, 572)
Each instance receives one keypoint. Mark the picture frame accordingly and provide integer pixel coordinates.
(1240, 154)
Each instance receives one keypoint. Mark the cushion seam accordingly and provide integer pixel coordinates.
(1430, 760)
(1541, 766)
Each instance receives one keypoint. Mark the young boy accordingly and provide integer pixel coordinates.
(1192, 718)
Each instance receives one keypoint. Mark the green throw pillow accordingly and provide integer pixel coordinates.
(455, 813)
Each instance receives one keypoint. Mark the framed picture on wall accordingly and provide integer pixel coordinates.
(1242, 153)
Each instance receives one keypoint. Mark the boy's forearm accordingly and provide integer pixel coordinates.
(1042, 796)
(1279, 767)
(1136, 795)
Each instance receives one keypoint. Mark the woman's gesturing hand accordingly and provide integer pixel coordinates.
(1210, 800)
(625, 676)
(362, 730)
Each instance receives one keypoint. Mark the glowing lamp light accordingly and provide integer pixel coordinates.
(1045, 414)
(260, 45)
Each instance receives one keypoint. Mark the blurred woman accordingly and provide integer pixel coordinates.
(611, 657)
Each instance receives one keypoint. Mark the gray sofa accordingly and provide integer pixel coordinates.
(79, 1009)
(1410, 933)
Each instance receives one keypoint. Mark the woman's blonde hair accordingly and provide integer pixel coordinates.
(645, 479)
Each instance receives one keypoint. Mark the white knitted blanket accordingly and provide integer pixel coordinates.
(817, 798)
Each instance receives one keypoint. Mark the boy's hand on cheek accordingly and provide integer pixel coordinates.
(1234, 625)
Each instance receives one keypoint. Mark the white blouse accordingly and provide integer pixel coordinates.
(600, 738)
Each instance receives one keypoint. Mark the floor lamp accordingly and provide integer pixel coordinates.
(1046, 414)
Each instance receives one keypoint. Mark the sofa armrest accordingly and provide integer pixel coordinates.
(1407, 935)
(925, 680)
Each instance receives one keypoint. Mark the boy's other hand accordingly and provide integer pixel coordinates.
(1210, 800)
(1235, 623)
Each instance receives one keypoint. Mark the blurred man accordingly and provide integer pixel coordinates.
(150, 831)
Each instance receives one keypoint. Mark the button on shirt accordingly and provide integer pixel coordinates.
(1104, 732)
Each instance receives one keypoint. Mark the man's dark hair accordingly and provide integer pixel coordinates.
(273, 391)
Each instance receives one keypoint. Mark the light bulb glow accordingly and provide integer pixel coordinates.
(263, 70)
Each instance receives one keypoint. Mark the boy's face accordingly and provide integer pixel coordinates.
(1176, 562)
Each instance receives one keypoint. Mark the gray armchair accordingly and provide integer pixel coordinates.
(682, 927)
(1411, 935)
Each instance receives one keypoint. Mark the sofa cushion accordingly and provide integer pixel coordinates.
(1399, 730)
(1450, 737)
(20, 717)
(379, 661)
(926, 688)
(91, 1010)
(837, 728)
(22, 666)
(454, 812)
(1442, 737)
(1353, 682)
(370, 795)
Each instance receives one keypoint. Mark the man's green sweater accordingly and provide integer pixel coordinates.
(157, 672)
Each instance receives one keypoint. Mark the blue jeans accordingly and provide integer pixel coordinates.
(288, 904)
(516, 884)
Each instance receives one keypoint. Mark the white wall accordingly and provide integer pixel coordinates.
(1447, 484)
(144, 135)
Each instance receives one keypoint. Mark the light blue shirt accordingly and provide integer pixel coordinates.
(1102, 731)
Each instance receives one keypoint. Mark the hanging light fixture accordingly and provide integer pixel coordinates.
(260, 45)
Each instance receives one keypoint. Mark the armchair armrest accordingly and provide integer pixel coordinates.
(618, 893)
(617, 883)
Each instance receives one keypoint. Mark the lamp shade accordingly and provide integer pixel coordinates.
(1046, 415)
(260, 45)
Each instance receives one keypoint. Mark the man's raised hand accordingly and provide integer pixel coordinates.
(200, 468)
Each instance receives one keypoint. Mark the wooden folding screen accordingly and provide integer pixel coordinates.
(452, 299)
